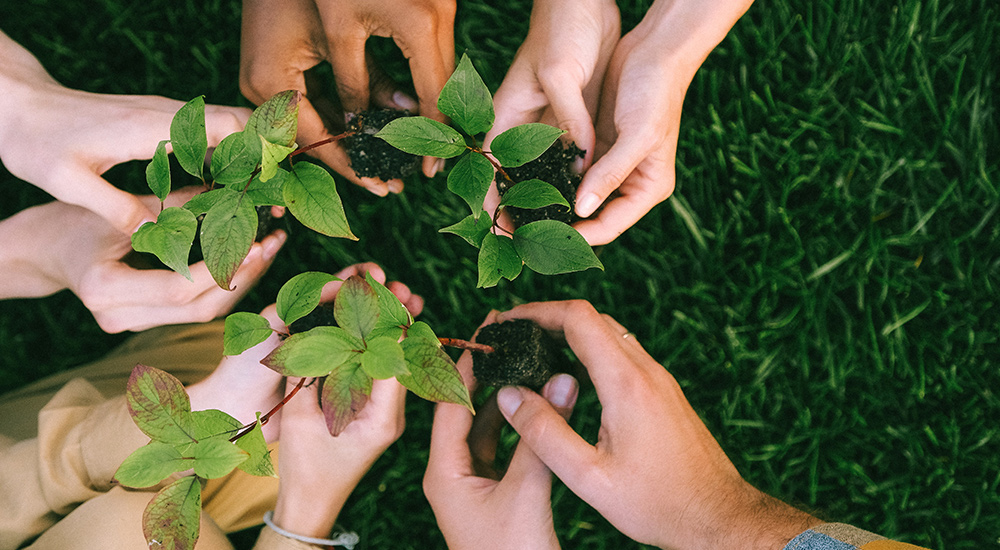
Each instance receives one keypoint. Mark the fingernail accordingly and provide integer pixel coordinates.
(273, 243)
(509, 400)
(395, 186)
(578, 165)
(561, 390)
(404, 101)
(142, 223)
(586, 205)
(438, 166)
(375, 186)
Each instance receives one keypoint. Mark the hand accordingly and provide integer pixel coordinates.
(57, 246)
(557, 73)
(282, 39)
(640, 112)
(62, 140)
(656, 473)
(475, 506)
(318, 471)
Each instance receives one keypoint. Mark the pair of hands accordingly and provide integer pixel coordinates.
(311, 492)
(282, 39)
(656, 473)
(619, 98)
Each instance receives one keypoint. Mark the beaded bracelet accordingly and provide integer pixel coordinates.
(346, 539)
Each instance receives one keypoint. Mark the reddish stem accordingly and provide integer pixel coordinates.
(321, 142)
(465, 344)
(264, 418)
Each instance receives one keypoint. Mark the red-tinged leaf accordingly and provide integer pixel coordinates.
(345, 393)
(159, 405)
(276, 120)
(433, 375)
(172, 520)
(356, 307)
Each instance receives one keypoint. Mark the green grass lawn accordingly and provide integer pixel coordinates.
(823, 282)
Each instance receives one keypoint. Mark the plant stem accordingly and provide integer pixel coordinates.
(465, 344)
(264, 418)
(321, 142)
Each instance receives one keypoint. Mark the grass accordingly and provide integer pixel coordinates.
(823, 283)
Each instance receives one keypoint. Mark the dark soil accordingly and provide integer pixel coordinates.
(322, 316)
(524, 355)
(554, 166)
(372, 157)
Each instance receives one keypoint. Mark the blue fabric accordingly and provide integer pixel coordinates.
(811, 540)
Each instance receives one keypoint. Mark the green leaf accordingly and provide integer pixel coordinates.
(259, 463)
(158, 172)
(301, 294)
(276, 120)
(271, 155)
(227, 233)
(150, 464)
(345, 393)
(203, 202)
(392, 312)
(356, 307)
(215, 458)
(422, 136)
(497, 259)
(187, 135)
(244, 330)
(422, 330)
(551, 247)
(532, 194)
(466, 99)
(213, 423)
(232, 161)
(314, 352)
(470, 179)
(269, 193)
(471, 228)
(383, 359)
(433, 375)
(171, 520)
(523, 143)
(170, 238)
(159, 405)
(311, 195)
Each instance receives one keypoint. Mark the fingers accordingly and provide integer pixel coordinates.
(561, 392)
(221, 121)
(570, 109)
(124, 211)
(549, 437)
(412, 302)
(330, 290)
(608, 173)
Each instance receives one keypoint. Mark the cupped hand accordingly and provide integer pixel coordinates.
(476, 506)
(62, 140)
(64, 246)
(283, 39)
(557, 73)
(656, 473)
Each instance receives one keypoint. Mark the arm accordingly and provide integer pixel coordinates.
(59, 246)
(62, 140)
(640, 111)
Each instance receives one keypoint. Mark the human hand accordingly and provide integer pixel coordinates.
(640, 112)
(476, 506)
(57, 246)
(282, 39)
(656, 473)
(557, 73)
(62, 140)
(312, 492)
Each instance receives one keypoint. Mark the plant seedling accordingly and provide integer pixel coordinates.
(249, 169)
(372, 157)
(524, 355)
(547, 246)
(552, 166)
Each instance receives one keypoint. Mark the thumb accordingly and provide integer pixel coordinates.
(608, 173)
(561, 391)
(546, 433)
(123, 210)
(570, 112)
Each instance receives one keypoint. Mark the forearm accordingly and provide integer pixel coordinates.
(686, 31)
(24, 271)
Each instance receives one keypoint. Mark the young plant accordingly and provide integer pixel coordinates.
(375, 338)
(210, 442)
(549, 247)
(246, 171)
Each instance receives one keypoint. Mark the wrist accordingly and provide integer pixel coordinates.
(686, 31)
(312, 518)
(758, 521)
